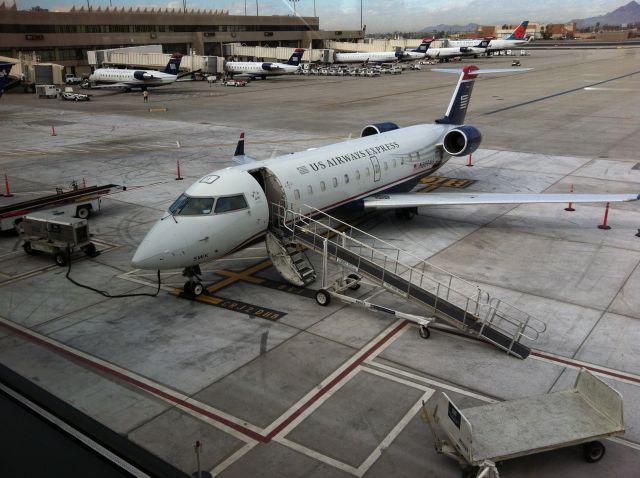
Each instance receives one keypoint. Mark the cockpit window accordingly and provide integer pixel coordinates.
(231, 203)
(191, 206)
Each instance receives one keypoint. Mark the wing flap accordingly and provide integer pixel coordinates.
(392, 201)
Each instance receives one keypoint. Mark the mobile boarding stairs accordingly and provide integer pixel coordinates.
(444, 296)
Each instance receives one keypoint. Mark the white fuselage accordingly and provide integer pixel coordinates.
(494, 45)
(128, 77)
(323, 178)
(256, 68)
(452, 52)
(371, 57)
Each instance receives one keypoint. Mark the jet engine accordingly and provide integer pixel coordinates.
(462, 141)
(378, 128)
(141, 75)
(267, 66)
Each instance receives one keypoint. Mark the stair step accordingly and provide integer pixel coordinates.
(306, 272)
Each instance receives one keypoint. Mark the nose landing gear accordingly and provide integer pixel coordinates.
(193, 287)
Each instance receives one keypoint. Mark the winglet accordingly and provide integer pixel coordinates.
(240, 146)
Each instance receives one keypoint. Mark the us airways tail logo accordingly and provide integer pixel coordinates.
(347, 158)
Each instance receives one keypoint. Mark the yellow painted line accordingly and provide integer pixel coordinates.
(157, 110)
(241, 276)
(200, 298)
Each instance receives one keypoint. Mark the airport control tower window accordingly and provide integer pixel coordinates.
(231, 203)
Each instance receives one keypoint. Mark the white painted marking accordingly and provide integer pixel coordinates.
(384, 444)
(330, 378)
(431, 382)
(223, 465)
(317, 456)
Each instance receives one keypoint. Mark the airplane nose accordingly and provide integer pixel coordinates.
(162, 247)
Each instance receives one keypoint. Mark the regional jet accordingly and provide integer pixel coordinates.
(261, 69)
(458, 51)
(385, 56)
(516, 39)
(230, 208)
(129, 79)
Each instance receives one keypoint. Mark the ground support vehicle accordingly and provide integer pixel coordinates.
(235, 83)
(79, 202)
(480, 437)
(71, 96)
(57, 235)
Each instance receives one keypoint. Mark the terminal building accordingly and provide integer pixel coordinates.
(65, 37)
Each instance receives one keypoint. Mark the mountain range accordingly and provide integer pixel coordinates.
(629, 13)
(442, 27)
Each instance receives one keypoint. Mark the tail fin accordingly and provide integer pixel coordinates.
(173, 67)
(520, 32)
(460, 100)
(240, 146)
(483, 44)
(5, 68)
(296, 57)
(424, 46)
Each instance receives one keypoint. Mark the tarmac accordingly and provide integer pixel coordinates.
(273, 384)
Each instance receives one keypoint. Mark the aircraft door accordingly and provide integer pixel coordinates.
(273, 190)
(376, 168)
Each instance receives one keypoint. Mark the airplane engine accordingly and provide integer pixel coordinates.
(141, 75)
(378, 128)
(266, 66)
(462, 141)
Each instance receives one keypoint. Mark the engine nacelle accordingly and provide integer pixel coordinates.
(378, 128)
(267, 66)
(462, 141)
(141, 75)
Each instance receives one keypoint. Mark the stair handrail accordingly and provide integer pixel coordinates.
(487, 302)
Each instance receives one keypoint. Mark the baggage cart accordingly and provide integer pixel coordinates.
(479, 437)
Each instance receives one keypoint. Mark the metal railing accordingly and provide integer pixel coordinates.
(360, 251)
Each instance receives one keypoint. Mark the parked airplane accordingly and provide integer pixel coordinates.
(129, 79)
(261, 69)
(447, 53)
(230, 208)
(5, 68)
(516, 39)
(384, 56)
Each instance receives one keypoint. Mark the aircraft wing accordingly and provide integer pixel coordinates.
(393, 201)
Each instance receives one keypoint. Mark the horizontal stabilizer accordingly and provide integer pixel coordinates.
(457, 71)
(393, 201)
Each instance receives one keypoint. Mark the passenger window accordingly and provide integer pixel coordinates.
(231, 203)
(346, 179)
(335, 182)
(323, 186)
(386, 166)
(296, 194)
(357, 174)
(310, 189)
(367, 171)
(394, 163)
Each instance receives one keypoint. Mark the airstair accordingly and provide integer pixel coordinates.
(446, 297)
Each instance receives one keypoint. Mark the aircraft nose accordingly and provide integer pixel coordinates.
(161, 248)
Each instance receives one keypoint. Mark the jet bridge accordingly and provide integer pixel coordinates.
(443, 295)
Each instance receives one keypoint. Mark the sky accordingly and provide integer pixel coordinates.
(381, 15)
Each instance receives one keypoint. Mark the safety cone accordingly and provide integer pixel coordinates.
(7, 191)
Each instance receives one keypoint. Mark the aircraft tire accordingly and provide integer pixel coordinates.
(198, 288)
(323, 298)
(593, 451)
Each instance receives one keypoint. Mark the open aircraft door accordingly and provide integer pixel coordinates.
(273, 190)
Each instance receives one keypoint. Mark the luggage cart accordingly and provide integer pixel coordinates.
(58, 235)
(480, 437)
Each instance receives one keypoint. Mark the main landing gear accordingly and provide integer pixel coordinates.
(193, 287)
(406, 213)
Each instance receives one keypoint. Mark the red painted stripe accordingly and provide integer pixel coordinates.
(239, 428)
(335, 381)
(149, 388)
